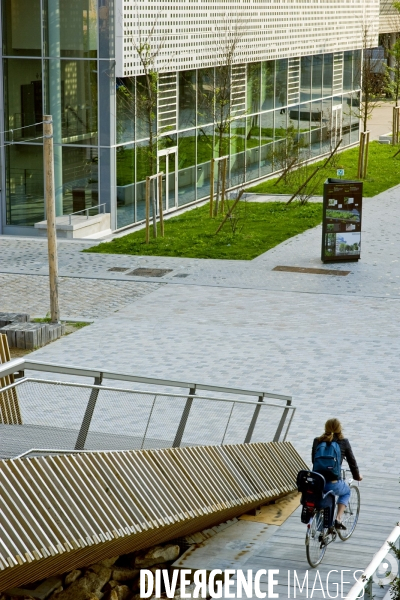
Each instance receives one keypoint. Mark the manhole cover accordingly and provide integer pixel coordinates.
(118, 269)
(142, 272)
(182, 275)
(311, 270)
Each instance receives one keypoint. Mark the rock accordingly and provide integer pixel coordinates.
(87, 587)
(73, 576)
(124, 573)
(59, 589)
(157, 554)
(111, 585)
(109, 562)
(122, 591)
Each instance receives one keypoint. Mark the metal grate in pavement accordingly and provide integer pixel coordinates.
(118, 269)
(144, 272)
(182, 275)
(311, 270)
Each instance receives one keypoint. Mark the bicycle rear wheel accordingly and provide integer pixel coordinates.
(351, 513)
(315, 539)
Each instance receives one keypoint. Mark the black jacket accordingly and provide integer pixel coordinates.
(346, 452)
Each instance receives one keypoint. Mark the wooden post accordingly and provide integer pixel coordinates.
(147, 200)
(394, 127)
(160, 204)
(366, 143)
(224, 166)
(48, 156)
(361, 156)
(212, 187)
(154, 203)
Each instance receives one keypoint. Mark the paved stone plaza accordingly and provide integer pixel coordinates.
(331, 342)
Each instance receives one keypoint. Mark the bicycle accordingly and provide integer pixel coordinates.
(319, 536)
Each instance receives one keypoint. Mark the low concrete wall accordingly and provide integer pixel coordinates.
(80, 226)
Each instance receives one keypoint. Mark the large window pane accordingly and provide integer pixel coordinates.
(252, 147)
(267, 84)
(71, 28)
(21, 27)
(125, 185)
(328, 74)
(80, 179)
(78, 88)
(253, 87)
(356, 69)
(305, 78)
(316, 123)
(187, 167)
(205, 94)
(281, 82)
(24, 185)
(205, 144)
(125, 110)
(187, 99)
(347, 71)
(317, 76)
(23, 97)
(346, 119)
(267, 127)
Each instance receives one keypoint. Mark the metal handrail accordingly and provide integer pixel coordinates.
(128, 390)
(365, 577)
(23, 364)
(86, 210)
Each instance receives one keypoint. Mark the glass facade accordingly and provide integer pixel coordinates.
(54, 70)
(102, 145)
(253, 141)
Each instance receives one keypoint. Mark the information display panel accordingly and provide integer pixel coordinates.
(341, 223)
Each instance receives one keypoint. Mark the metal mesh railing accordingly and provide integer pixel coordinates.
(67, 416)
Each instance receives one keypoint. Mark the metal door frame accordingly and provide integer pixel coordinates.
(166, 152)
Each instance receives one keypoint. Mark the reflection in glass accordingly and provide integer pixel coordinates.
(346, 119)
(266, 158)
(252, 148)
(125, 100)
(328, 74)
(125, 158)
(305, 78)
(21, 27)
(187, 167)
(205, 93)
(281, 82)
(80, 178)
(316, 124)
(205, 144)
(267, 127)
(347, 71)
(253, 87)
(75, 23)
(187, 99)
(317, 76)
(356, 69)
(24, 185)
(267, 84)
(23, 97)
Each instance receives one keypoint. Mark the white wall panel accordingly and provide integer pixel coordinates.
(191, 30)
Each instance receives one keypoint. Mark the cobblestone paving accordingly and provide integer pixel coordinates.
(79, 298)
(334, 346)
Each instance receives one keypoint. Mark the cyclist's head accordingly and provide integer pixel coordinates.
(333, 428)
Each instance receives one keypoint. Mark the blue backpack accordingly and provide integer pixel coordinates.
(327, 460)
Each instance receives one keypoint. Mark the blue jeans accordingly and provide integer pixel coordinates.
(341, 489)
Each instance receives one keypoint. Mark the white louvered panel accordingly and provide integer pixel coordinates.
(238, 90)
(188, 34)
(167, 96)
(294, 81)
(337, 72)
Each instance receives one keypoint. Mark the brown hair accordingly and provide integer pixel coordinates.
(333, 428)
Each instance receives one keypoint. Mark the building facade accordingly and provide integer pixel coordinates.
(296, 68)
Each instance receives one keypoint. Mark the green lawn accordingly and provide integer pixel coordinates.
(383, 171)
(192, 234)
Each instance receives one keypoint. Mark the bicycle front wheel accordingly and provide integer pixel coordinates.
(351, 513)
(315, 539)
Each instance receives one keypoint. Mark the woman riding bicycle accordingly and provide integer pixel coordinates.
(333, 433)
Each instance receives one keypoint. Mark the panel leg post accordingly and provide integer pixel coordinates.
(184, 418)
(253, 422)
(87, 419)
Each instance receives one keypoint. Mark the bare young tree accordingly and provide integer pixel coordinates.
(215, 98)
(137, 99)
(372, 75)
(393, 72)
